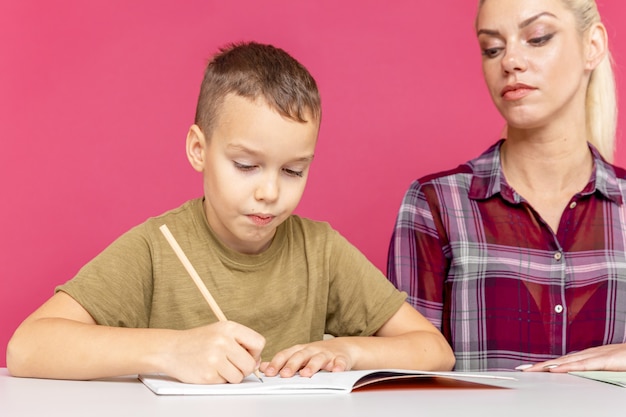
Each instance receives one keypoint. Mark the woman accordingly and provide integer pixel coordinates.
(519, 256)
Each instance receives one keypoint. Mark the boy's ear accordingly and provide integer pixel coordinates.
(196, 147)
(597, 46)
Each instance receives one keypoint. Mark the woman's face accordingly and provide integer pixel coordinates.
(533, 61)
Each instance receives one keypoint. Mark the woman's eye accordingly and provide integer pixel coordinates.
(541, 40)
(243, 167)
(491, 52)
(293, 173)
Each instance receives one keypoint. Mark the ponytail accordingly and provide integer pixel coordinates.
(601, 109)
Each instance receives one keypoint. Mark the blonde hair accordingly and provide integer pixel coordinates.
(601, 101)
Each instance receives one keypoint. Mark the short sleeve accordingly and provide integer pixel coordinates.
(361, 299)
(116, 286)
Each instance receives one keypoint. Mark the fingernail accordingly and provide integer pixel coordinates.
(554, 365)
(524, 366)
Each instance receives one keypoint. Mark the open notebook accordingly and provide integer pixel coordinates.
(320, 383)
(610, 377)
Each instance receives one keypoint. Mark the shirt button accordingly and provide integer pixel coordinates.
(558, 256)
(558, 309)
(573, 205)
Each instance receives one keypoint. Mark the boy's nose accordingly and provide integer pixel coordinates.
(267, 190)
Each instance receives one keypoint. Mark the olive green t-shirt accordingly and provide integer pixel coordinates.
(310, 281)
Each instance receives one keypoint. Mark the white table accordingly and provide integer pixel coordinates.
(532, 395)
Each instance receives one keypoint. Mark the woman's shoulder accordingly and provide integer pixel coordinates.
(484, 164)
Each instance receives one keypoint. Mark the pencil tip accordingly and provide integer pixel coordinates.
(258, 375)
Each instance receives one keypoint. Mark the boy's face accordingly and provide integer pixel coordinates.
(255, 167)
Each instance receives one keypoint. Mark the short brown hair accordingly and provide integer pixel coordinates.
(254, 70)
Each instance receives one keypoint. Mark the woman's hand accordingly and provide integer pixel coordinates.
(601, 358)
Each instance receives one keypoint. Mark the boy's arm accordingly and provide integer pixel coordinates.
(61, 340)
(406, 341)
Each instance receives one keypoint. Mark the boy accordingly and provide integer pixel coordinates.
(282, 281)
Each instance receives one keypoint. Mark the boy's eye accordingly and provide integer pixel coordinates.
(243, 167)
(292, 172)
(248, 168)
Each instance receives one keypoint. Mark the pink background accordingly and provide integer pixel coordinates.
(96, 98)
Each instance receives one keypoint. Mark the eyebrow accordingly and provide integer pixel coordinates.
(253, 152)
(522, 25)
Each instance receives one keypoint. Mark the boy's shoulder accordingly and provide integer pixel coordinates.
(309, 235)
(184, 217)
(313, 232)
(189, 208)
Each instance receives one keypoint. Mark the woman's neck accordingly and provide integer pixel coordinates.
(545, 163)
(547, 171)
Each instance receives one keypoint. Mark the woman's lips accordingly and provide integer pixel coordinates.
(516, 91)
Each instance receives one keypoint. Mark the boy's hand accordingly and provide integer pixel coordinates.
(328, 355)
(217, 353)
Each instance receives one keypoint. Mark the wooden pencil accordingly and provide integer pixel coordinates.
(196, 279)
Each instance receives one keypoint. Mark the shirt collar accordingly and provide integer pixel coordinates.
(488, 178)
(604, 180)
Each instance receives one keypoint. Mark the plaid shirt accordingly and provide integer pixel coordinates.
(484, 268)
